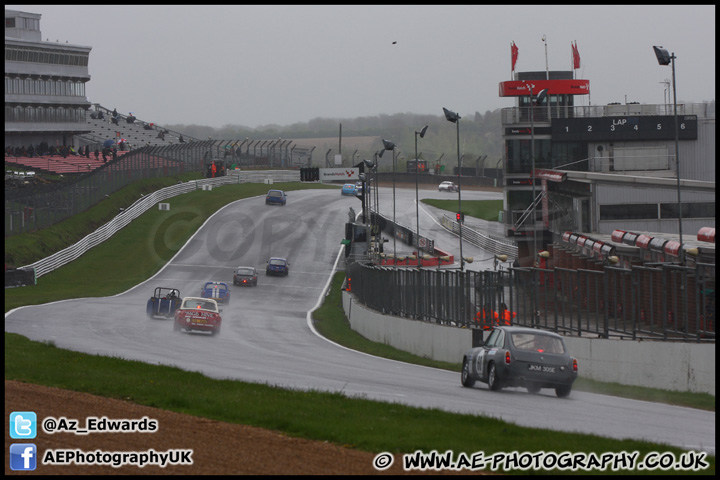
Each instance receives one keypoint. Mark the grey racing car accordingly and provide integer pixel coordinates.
(521, 357)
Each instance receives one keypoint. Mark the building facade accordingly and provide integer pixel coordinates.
(601, 168)
(45, 81)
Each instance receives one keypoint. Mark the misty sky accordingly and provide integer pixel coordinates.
(254, 65)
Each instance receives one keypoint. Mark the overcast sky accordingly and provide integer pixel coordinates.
(256, 65)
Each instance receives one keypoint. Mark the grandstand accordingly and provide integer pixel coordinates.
(45, 104)
(48, 118)
(137, 134)
(56, 164)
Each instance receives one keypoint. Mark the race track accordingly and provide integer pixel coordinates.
(266, 336)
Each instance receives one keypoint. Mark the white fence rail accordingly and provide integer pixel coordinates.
(103, 233)
(67, 255)
(492, 245)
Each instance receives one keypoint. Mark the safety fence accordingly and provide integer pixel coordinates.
(33, 208)
(67, 255)
(487, 242)
(27, 275)
(662, 302)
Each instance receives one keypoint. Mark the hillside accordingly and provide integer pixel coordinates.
(360, 138)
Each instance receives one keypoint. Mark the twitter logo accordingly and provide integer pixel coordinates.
(23, 425)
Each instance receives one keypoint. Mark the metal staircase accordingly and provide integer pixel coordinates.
(528, 212)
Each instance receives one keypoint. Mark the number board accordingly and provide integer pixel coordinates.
(649, 127)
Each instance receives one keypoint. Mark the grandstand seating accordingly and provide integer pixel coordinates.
(135, 134)
(57, 164)
(100, 130)
(74, 164)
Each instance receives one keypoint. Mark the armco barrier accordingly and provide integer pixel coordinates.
(485, 242)
(469, 234)
(67, 255)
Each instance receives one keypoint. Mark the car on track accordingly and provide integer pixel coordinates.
(521, 357)
(218, 291)
(348, 189)
(245, 276)
(277, 266)
(198, 314)
(359, 187)
(448, 187)
(164, 302)
(275, 197)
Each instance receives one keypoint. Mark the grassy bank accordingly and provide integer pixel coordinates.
(351, 422)
(485, 209)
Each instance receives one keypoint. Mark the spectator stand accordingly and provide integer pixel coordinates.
(138, 133)
(56, 164)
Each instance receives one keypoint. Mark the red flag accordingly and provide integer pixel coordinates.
(576, 56)
(514, 55)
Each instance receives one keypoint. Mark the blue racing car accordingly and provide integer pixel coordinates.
(277, 197)
(164, 302)
(218, 291)
(349, 189)
(277, 266)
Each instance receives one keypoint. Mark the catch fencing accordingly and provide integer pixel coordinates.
(41, 206)
(67, 255)
(660, 302)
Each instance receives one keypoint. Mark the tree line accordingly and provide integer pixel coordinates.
(480, 135)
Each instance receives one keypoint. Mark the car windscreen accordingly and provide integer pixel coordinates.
(537, 342)
(275, 194)
(276, 261)
(198, 304)
(245, 271)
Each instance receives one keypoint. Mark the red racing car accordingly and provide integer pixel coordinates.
(198, 314)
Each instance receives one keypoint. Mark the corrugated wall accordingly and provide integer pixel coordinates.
(697, 159)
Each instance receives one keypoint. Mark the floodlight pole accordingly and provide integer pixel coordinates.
(417, 201)
(376, 177)
(394, 219)
(462, 259)
(453, 117)
(677, 161)
(388, 145)
(664, 58)
(532, 157)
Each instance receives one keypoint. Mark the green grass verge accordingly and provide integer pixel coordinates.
(485, 209)
(355, 422)
(150, 240)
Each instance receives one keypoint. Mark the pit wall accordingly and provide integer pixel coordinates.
(679, 366)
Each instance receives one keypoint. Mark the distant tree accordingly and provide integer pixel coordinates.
(480, 134)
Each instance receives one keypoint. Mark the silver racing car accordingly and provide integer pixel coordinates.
(521, 357)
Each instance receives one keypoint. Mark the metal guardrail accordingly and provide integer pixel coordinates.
(103, 233)
(255, 176)
(486, 242)
(40, 206)
(478, 239)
